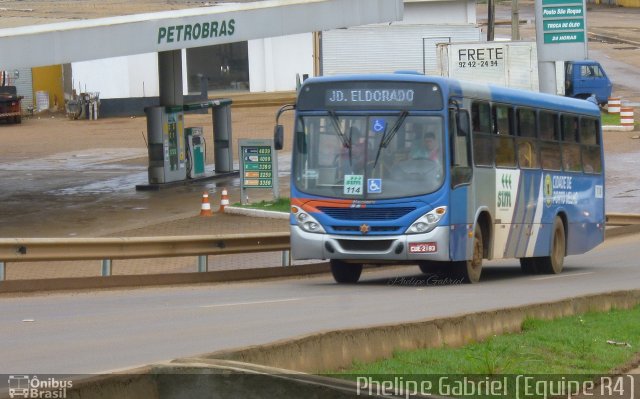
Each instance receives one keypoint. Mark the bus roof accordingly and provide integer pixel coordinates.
(489, 92)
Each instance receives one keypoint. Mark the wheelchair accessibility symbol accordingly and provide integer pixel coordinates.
(374, 186)
(379, 125)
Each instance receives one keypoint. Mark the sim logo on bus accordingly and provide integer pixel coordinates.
(423, 247)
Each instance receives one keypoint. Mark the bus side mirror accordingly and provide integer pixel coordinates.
(278, 137)
(462, 120)
(278, 131)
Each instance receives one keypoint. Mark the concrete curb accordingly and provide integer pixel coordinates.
(616, 128)
(236, 210)
(214, 379)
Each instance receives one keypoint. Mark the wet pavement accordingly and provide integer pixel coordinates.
(622, 188)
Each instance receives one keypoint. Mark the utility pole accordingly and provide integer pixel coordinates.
(491, 19)
(515, 20)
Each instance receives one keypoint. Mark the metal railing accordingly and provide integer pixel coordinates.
(622, 219)
(108, 249)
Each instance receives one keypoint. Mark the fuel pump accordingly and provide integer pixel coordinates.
(196, 151)
(176, 152)
(165, 129)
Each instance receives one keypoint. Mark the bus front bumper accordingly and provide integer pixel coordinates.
(431, 246)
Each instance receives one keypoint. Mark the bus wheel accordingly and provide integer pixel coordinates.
(470, 270)
(529, 265)
(345, 273)
(431, 267)
(553, 263)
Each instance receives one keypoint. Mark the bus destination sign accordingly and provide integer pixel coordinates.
(365, 94)
(373, 96)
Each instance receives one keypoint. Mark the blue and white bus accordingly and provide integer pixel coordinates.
(406, 168)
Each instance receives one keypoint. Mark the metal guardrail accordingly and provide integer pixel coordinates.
(622, 219)
(108, 249)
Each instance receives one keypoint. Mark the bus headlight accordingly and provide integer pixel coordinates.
(428, 221)
(305, 221)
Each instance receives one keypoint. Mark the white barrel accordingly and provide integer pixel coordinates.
(42, 101)
(626, 116)
(613, 105)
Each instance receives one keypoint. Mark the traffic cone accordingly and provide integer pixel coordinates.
(205, 208)
(224, 200)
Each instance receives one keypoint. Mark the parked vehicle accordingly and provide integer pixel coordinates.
(10, 105)
(584, 78)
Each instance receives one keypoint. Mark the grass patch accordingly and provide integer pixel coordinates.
(279, 205)
(573, 346)
(610, 119)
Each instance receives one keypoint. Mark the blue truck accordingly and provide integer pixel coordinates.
(584, 78)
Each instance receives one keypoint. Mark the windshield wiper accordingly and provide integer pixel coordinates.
(346, 143)
(387, 137)
(336, 125)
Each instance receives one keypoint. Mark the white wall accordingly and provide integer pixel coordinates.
(274, 62)
(118, 77)
(444, 12)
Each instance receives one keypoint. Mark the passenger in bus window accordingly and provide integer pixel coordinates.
(427, 148)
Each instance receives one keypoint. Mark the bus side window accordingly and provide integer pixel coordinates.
(571, 157)
(591, 159)
(526, 141)
(502, 118)
(481, 124)
(550, 158)
(505, 152)
(548, 126)
(590, 143)
(503, 136)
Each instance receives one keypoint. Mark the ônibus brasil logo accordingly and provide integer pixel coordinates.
(23, 386)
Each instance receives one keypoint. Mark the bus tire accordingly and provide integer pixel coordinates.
(469, 271)
(345, 273)
(529, 265)
(553, 263)
(431, 267)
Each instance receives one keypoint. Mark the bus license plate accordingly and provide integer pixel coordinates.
(423, 247)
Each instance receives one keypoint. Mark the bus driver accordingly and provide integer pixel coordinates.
(427, 148)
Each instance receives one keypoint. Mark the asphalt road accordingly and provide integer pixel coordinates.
(92, 332)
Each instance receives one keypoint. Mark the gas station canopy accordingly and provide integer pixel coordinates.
(59, 43)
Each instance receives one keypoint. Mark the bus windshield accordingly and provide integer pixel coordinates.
(373, 156)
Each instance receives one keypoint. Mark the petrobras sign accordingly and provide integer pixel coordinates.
(196, 31)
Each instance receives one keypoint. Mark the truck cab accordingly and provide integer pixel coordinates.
(10, 105)
(584, 78)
